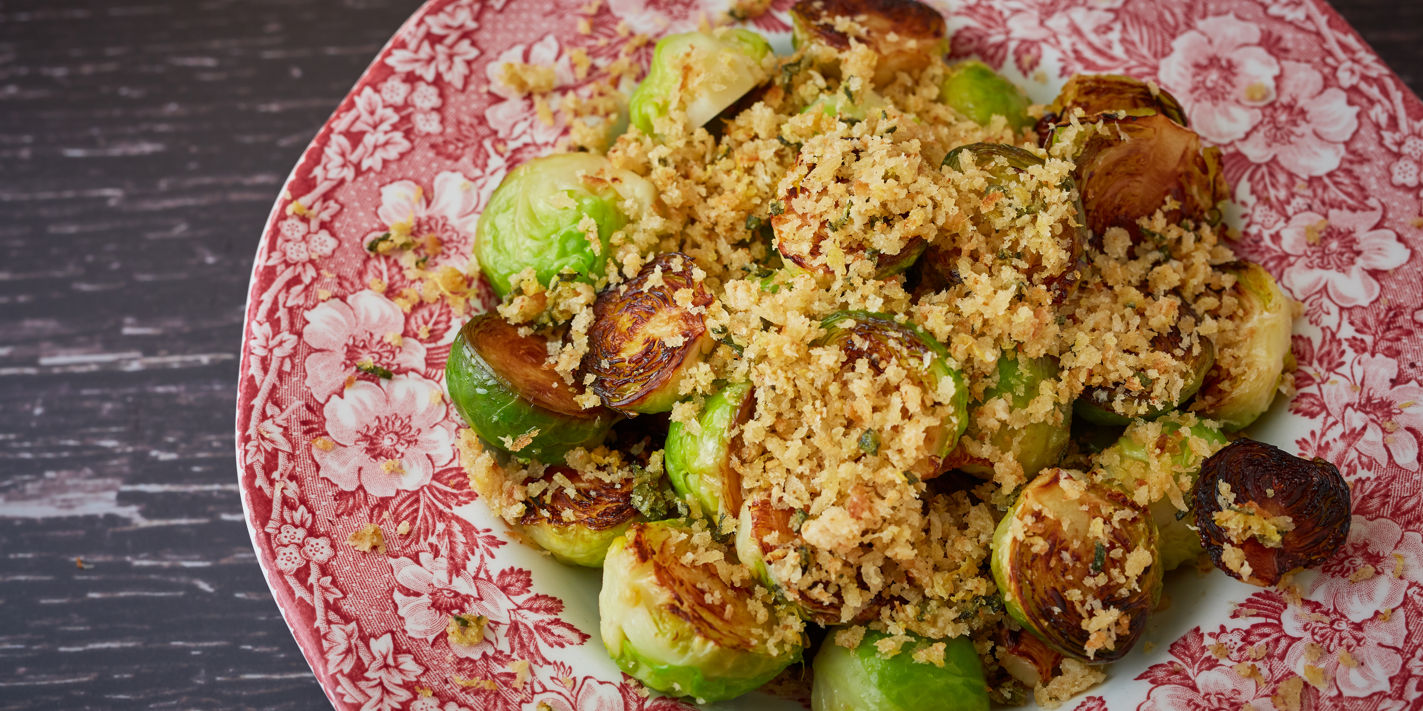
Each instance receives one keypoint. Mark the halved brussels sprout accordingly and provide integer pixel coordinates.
(1033, 446)
(1156, 464)
(766, 535)
(1255, 343)
(879, 339)
(864, 679)
(1264, 513)
(907, 35)
(1126, 401)
(502, 385)
(815, 244)
(1076, 563)
(645, 336)
(1008, 167)
(1129, 171)
(675, 615)
(576, 517)
(1113, 93)
(548, 214)
(839, 104)
(698, 73)
(973, 89)
(699, 465)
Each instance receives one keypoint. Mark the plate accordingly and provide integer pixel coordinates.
(1323, 146)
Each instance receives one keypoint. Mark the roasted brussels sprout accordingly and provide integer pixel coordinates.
(1255, 343)
(1076, 563)
(1264, 513)
(645, 336)
(906, 34)
(699, 464)
(1113, 93)
(839, 104)
(1134, 399)
(821, 245)
(538, 218)
(680, 619)
(1025, 657)
(1033, 445)
(502, 385)
(865, 679)
(699, 74)
(1008, 167)
(1156, 464)
(765, 537)
(576, 517)
(973, 89)
(1129, 171)
(879, 339)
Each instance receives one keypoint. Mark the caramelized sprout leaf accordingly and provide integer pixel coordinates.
(644, 336)
(501, 384)
(906, 34)
(1263, 512)
(1113, 93)
(685, 627)
(1076, 563)
(577, 521)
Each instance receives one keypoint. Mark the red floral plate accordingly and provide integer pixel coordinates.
(1322, 144)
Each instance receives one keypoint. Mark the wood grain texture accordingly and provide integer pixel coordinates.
(142, 143)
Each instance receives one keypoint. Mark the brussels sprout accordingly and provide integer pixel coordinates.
(1113, 93)
(1034, 445)
(1264, 513)
(1025, 657)
(839, 104)
(1255, 343)
(690, 628)
(502, 385)
(1008, 165)
(1156, 464)
(973, 89)
(767, 535)
(879, 339)
(699, 465)
(907, 35)
(644, 339)
(699, 74)
(1129, 171)
(863, 679)
(1076, 563)
(577, 522)
(536, 218)
(1123, 402)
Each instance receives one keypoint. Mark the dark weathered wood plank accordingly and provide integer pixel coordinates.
(142, 143)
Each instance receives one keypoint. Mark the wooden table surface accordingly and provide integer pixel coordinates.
(141, 145)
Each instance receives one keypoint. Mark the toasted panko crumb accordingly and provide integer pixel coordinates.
(466, 630)
(367, 538)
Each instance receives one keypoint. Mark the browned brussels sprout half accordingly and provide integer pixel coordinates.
(502, 385)
(698, 460)
(1008, 167)
(1076, 563)
(644, 337)
(1133, 399)
(1254, 347)
(880, 340)
(906, 34)
(1113, 93)
(1263, 512)
(1129, 170)
(768, 540)
(576, 521)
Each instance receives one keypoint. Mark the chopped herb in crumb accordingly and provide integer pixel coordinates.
(1099, 558)
(466, 630)
(869, 442)
(370, 368)
(798, 519)
(381, 244)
